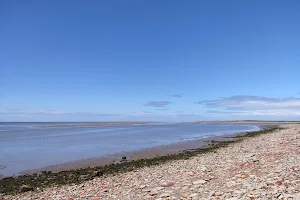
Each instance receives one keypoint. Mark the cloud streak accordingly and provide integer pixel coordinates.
(49, 112)
(176, 95)
(25, 111)
(252, 102)
(158, 104)
(254, 105)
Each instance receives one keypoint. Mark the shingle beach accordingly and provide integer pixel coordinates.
(262, 167)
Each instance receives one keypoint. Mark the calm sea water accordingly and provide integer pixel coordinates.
(25, 146)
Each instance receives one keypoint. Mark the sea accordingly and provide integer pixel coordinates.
(27, 146)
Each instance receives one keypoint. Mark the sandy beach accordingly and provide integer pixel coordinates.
(261, 167)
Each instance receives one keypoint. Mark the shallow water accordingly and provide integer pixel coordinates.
(25, 146)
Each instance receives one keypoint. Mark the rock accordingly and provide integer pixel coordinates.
(142, 186)
(97, 173)
(231, 183)
(26, 188)
(148, 197)
(218, 194)
(279, 196)
(250, 195)
(194, 195)
(211, 193)
(159, 188)
(191, 173)
(199, 182)
(167, 184)
(153, 192)
(249, 155)
(185, 194)
(238, 192)
(164, 195)
(146, 190)
(104, 190)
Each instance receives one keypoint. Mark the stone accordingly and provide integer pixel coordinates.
(146, 190)
(280, 196)
(142, 186)
(164, 195)
(211, 193)
(97, 173)
(104, 190)
(153, 192)
(26, 188)
(194, 195)
(159, 188)
(238, 192)
(199, 182)
(167, 184)
(231, 183)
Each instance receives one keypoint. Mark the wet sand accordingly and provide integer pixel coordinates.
(163, 150)
(72, 148)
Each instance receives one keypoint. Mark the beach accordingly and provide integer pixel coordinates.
(261, 167)
(24, 146)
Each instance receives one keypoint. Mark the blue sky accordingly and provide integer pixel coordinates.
(149, 60)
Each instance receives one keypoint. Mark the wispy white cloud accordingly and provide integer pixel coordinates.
(179, 112)
(188, 115)
(25, 111)
(158, 103)
(50, 112)
(176, 95)
(147, 112)
(253, 105)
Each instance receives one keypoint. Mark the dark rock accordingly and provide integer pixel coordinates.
(124, 158)
(26, 188)
(97, 173)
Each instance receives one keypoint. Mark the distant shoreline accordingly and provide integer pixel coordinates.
(150, 122)
(249, 122)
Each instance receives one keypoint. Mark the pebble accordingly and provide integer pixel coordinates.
(194, 195)
(199, 182)
(164, 195)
